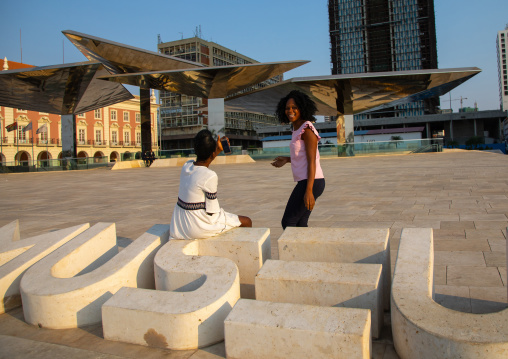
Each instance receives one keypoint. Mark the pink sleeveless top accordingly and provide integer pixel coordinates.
(298, 155)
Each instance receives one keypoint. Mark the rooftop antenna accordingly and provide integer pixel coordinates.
(197, 32)
(20, 46)
(159, 41)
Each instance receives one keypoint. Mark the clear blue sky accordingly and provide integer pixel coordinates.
(266, 30)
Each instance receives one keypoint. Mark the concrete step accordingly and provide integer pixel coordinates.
(257, 329)
(340, 245)
(349, 285)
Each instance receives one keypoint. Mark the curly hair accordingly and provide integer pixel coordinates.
(204, 145)
(306, 106)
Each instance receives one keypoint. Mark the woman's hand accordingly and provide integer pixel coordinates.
(219, 148)
(280, 161)
(308, 200)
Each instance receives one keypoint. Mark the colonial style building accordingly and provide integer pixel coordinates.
(112, 133)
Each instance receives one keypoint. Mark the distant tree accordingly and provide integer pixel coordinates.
(475, 141)
(453, 144)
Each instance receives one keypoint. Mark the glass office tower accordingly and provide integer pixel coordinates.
(384, 35)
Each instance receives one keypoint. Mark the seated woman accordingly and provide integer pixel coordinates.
(197, 214)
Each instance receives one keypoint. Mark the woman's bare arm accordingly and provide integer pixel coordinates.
(311, 142)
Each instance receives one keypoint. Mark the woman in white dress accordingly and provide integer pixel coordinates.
(197, 214)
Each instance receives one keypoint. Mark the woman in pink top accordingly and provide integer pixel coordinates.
(298, 109)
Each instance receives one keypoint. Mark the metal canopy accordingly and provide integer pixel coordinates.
(82, 87)
(355, 93)
(60, 89)
(119, 58)
(208, 82)
(76, 88)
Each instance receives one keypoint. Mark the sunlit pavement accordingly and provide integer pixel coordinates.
(462, 195)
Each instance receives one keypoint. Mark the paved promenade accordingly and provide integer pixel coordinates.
(463, 195)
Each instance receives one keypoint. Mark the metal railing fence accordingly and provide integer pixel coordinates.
(63, 164)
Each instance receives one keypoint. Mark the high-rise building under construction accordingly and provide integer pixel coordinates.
(384, 35)
(501, 42)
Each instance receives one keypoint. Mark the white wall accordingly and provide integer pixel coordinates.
(281, 143)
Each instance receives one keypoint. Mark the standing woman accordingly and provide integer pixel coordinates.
(298, 109)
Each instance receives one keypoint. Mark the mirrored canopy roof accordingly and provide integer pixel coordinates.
(355, 93)
(85, 86)
(208, 82)
(120, 58)
(60, 89)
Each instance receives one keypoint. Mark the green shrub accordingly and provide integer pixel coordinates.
(475, 141)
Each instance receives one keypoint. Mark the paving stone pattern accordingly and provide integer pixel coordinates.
(462, 195)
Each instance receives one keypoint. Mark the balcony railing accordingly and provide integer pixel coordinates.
(101, 143)
(98, 143)
(48, 141)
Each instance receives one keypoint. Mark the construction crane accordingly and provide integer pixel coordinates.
(457, 99)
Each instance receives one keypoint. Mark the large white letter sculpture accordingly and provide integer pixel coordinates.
(17, 256)
(424, 329)
(193, 297)
(68, 287)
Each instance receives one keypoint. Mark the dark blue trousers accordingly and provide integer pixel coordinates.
(296, 215)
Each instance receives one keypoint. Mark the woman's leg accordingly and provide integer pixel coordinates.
(245, 221)
(317, 190)
(295, 207)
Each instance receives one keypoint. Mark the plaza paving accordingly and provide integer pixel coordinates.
(462, 195)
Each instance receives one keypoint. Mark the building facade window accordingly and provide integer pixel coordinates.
(81, 136)
(21, 134)
(138, 117)
(43, 137)
(113, 115)
(98, 137)
(97, 114)
(125, 116)
(138, 138)
(114, 137)
(126, 138)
